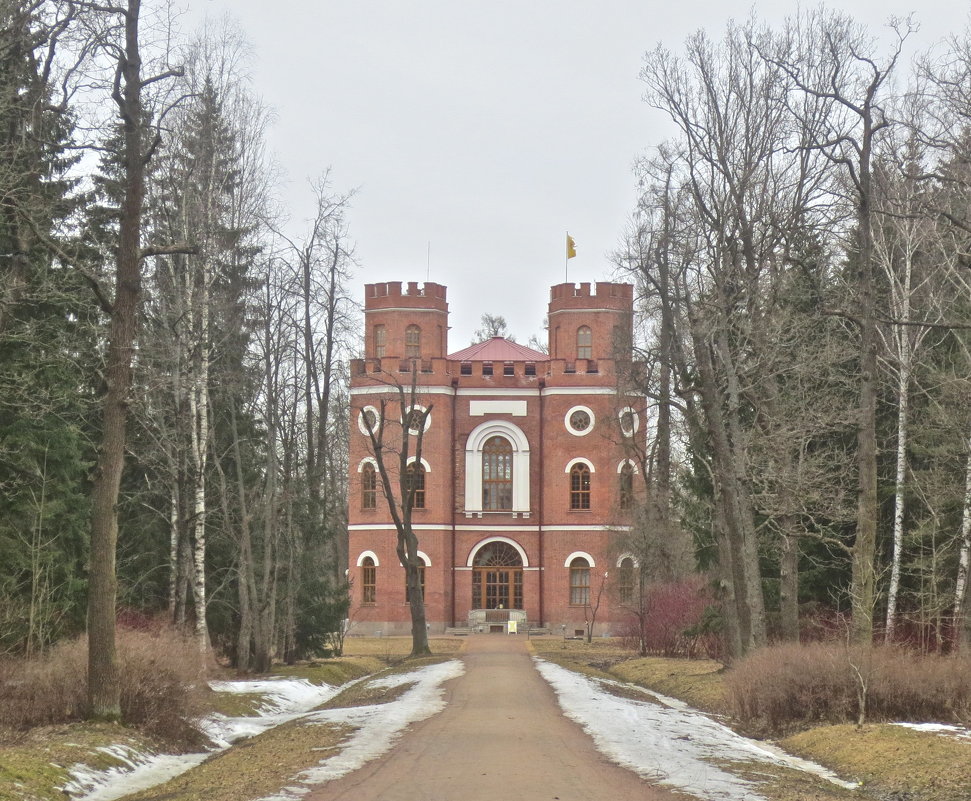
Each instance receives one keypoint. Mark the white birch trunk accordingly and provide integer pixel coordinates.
(903, 401)
(199, 407)
(964, 561)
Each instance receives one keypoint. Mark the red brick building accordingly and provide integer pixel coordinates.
(524, 465)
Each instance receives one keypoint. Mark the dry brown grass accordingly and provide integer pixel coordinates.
(160, 686)
(787, 687)
(698, 682)
(393, 649)
(891, 761)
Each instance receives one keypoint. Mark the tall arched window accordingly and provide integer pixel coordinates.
(380, 342)
(421, 584)
(584, 342)
(415, 481)
(625, 581)
(412, 342)
(580, 486)
(369, 580)
(579, 582)
(369, 487)
(627, 486)
(497, 475)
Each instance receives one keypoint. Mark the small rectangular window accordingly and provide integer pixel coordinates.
(487, 368)
(530, 369)
(509, 369)
(466, 368)
(379, 341)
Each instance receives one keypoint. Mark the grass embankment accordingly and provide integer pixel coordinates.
(890, 762)
(264, 764)
(34, 763)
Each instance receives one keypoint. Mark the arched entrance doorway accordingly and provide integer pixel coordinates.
(497, 577)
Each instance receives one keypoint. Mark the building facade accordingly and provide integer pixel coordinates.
(527, 471)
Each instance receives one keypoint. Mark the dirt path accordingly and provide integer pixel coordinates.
(502, 734)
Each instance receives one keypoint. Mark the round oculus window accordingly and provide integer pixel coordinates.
(368, 415)
(579, 421)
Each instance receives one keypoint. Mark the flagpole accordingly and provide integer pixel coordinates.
(566, 261)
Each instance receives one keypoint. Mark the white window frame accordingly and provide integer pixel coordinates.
(571, 429)
(520, 465)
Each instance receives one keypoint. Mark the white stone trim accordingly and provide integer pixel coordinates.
(577, 554)
(520, 464)
(631, 462)
(634, 416)
(407, 415)
(367, 460)
(584, 311)
(424, 464)
(364, 554)
(579, 460)
(484, 525)
(470, 562)
(424, 557)
(630, 556)
(391, 527)
(579, 391)
(513, 392)
(569, 426)
(391, 389)
(480, 408)
(360, 419)
(410, 309)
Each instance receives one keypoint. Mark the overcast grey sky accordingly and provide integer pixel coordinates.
(486, 129)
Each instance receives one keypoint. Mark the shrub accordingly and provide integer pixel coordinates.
(161, 687)
(668, 620)
(790, 686)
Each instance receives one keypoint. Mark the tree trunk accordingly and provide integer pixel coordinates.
(962, 598)
(103, 686)
(789, 584)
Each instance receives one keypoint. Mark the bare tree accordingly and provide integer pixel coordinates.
(828, 57)
(399, 421)
(123, 44)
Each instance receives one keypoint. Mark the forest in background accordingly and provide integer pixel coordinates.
(802, 249)
(801, 252)
(137, 199)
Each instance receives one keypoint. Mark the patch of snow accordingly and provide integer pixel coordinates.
(378, 726)
(945, 729)
(669, 742)
(285, 700)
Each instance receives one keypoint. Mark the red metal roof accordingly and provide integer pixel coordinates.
(498, 349)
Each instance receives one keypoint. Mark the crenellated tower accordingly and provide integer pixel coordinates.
(410, 324)
(589, 325)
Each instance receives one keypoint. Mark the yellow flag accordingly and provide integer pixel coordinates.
(571, 247)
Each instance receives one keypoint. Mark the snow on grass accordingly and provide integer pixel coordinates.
(284, 700)
(944, 729)
(667, 742)
(378, 726)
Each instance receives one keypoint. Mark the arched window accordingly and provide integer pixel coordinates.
(369, 580)
(580, 486)
(497, 475)
(625, 581)
(584, 342)
(579, 582)
(369, 487)
(627, 486)
(415, 482)
(380, 341)
(421, 584)
(412, 342)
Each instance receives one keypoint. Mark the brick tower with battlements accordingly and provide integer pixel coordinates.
(526, 472)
